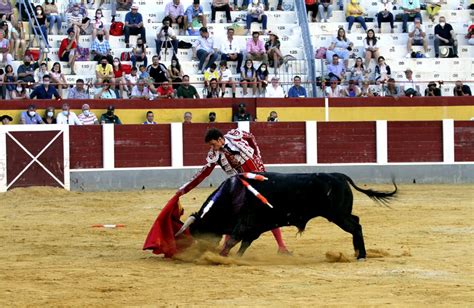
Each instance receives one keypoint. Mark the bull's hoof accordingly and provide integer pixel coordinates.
(284, 251)
(224, 253)
(360, 259)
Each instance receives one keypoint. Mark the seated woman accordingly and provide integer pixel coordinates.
(340, 46)
(272, 46)
(470, 35)
(40, 23)
(176, 73)
(213, 91)
(20, 92)
(354, 12)
(49, 116)
(97, 23)
(262, 78)
(248, 77)
(358, 72)
(382, 71)
(57, 78)
(119, 75)
(139, 53)
(371, 47)
(52, 15)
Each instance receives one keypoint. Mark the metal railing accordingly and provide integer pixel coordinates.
(32, 21)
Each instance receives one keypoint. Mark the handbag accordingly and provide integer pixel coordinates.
(34, 53)
(116, 28)
(321, 53)
(125, 56)
(83, 54)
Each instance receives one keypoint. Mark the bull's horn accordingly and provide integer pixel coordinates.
(186, 225)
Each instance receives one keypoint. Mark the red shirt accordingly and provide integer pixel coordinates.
(118, 73)
(63, 46)
(162, 91)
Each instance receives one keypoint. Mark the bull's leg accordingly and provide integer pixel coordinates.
(351, 224)
(229, 243)
(243, 247)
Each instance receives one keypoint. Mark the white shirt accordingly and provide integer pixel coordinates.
(137, 92)
(417, 35)
(71, 119)
(161, 35)
(274, 92)
(335, 93)
(228, 47)
(385, 5)
(225, 75)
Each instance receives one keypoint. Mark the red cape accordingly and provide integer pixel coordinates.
(161, 237)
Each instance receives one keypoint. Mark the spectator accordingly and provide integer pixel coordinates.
(26, 71)
(371, 47)
(272, 46)
(366, 91)
(336, 69)
(106, 91)
(132, 78)
(16, 36)
(355, 12)
(334, 89)
(352, 90)
(188, 117)
(275, 89)
(325, 10)
(391, 89)
(226, 79)
(78, 21)
(385, 14)
(149, 118)
(100, 47)
(166, 37)
(248, 77)
(433, 7)
(220, 6)
(212, 117)
(5, 56)
(340, 46)
(119, 75)
(176, 73)
(41, 72)
(6, 8)
(445, 36)
(175, 11)
(203, 49)
(256, 49)
(78, 92)
(139, 53)
(417, 37)
(104, 70)
(312, 6)
(195, 18)
(9, 79)
(297, 90)
(57, 77)
(185, 90)
(231, 49)
(141, 90)
(382, 71)
(256, 13)
(410, 88)
(97, 23)
(67, 50)
(461, 89)
(20, 92)
(272, 117)
(432, 89)
(40, 22)
(210, 73)
(109, 117)
(165, 90)
(77, 3)
(411, 10)
(6, 119)
(30, 116)
(52, 15)
(213, 90)
(157, 71)
(262, 78)
(242, 114)
(67, 116)
(87, 117)
(134, 25)
(358, 72)
(49, 116)
(470, 35)
(45, 90)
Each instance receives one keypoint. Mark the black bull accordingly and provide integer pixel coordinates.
(296, 198)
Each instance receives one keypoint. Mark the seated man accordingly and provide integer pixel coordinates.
(204, 50)
(231, 49)
(186, 90)
(100, 47)
(256, 13)
(220, 6)
(87, 117)
(104, 70)
(273, 117)
(6, 119)
(134, 25)
(242, 114)
(410, 87)
(78, 92)
(256, 49)
(461, 89)
(297, 90)
(149, 118)
(336, 69)
(188, 117)
(175, 11)
(166, 37)
(165, 90)
(109, 117)
(67, 116)
(141, 90)
(275, 89)
(411, 10)
(45, 90)
(30, 116)
(445, 36)
(432, 89)
(417, 37)
(195, 18)
(352, 90)
(391, 89)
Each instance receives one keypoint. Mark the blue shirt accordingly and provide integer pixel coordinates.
(40, 92)
(190, 12)
(297, 92)
(36, 119)
(133, 19)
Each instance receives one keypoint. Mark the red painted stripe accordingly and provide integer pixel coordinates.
(464, 141)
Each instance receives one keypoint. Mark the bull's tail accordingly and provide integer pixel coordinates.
(378, 196)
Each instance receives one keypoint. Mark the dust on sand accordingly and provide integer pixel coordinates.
(420, 253)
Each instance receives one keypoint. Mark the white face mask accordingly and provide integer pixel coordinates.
(255, 2)
(19, 89)
(263, 69)
(442, 24)
(99, 15)
(86, 112)
(38, 12)
(65, 112)
(31, 113)
(50, 114)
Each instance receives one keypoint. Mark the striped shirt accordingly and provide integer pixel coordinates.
(87, 120)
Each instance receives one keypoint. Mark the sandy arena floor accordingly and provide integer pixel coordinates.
(422, 254)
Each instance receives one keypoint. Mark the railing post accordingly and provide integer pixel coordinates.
(108, 146)
(381, 141)
(177, 145)
(448, 141)
(311, 143)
